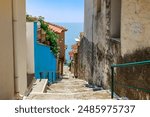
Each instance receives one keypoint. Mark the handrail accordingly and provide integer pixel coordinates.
(126, 65)
(131, 64)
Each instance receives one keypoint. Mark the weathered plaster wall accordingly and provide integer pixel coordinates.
(135, 46)
(135, 76)
(6, 51)
(88, 33)
(88, 18)
(135, 25)
(97, 51)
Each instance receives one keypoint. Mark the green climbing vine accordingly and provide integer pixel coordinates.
(50, 36)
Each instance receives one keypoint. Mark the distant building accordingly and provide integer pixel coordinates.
(60, 31)
(74, 57)
(46, 64)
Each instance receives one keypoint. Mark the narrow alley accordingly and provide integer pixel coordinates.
(104, 45)
(69, 88)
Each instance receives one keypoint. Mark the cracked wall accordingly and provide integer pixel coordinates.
(135, 46)
(97, 51)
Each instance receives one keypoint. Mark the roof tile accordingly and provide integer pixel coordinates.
(56, 28)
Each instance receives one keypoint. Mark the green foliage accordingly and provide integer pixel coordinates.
(30, 18)
(50, 36)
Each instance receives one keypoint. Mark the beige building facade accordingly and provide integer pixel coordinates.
(6, 45)
(13, 75)
(135, 25)
(116, 31)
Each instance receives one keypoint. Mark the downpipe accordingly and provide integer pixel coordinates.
(14, 33)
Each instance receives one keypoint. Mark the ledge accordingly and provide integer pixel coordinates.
(116, 40)
(39, 86)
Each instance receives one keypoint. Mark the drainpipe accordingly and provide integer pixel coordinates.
(14, 33)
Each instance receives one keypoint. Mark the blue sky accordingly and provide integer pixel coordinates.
(57, 10)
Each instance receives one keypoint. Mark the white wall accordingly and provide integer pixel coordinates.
(30, 47)
(6, 51)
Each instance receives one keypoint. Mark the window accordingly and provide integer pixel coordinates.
(115, 18)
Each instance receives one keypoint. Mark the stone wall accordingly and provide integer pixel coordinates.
(135, 46)
(97, 51)
(129, 78)
(135, 24)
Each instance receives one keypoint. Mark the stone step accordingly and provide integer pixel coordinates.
(68, 96)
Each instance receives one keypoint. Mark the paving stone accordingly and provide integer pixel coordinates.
(69, 89)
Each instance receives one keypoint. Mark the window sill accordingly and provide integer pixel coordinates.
(115, 39)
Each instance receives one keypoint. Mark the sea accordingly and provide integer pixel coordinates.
(73, 32)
